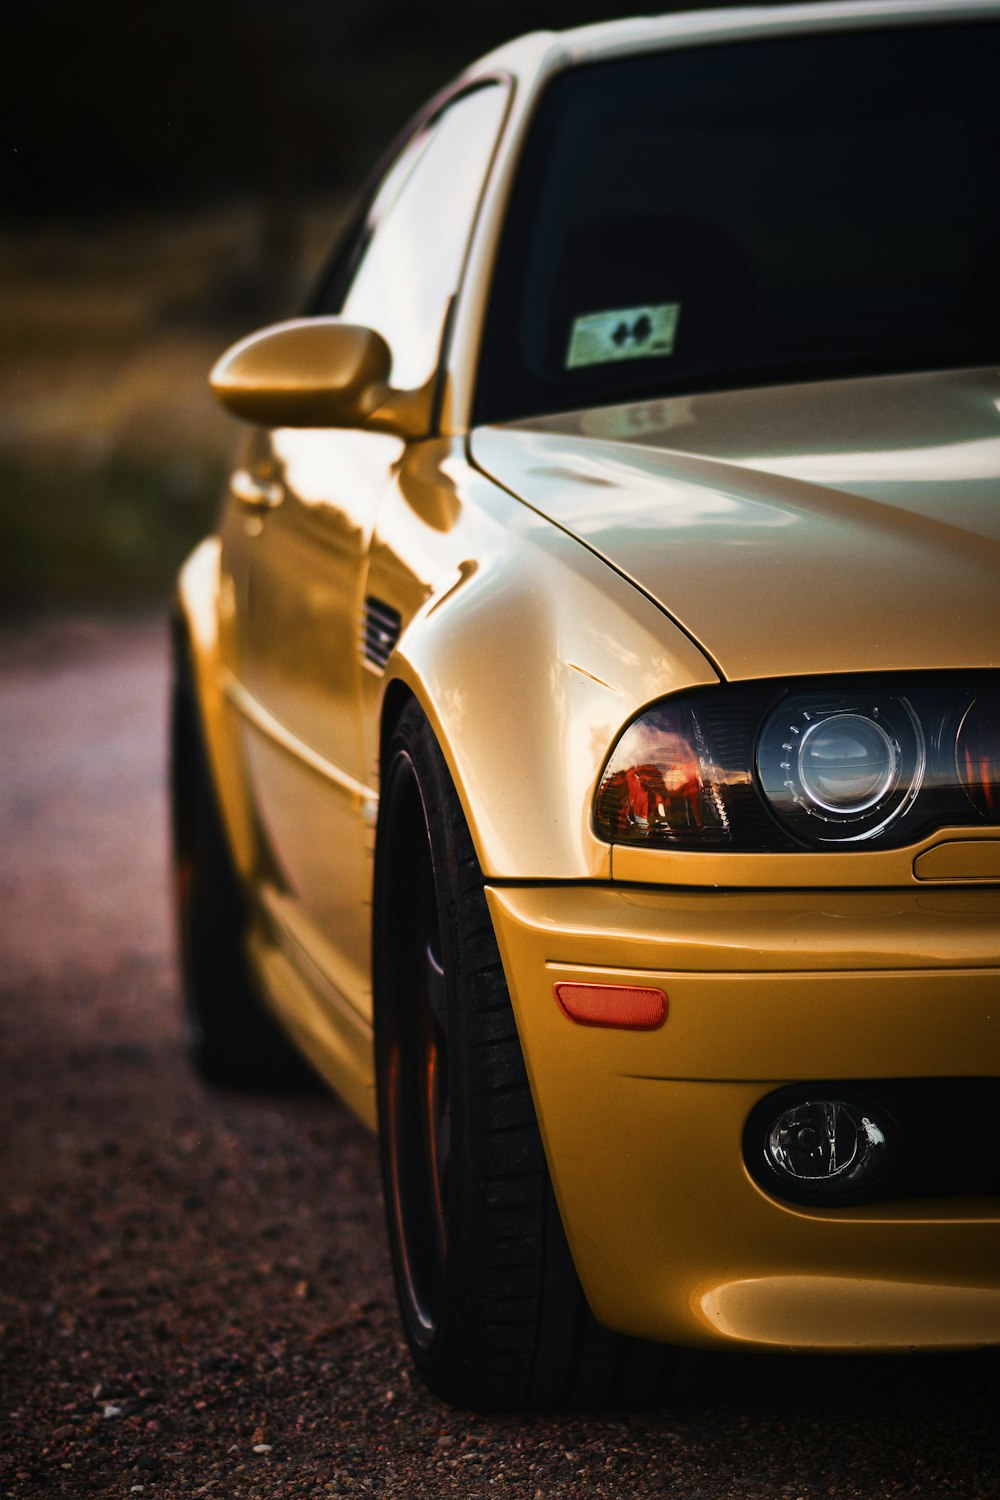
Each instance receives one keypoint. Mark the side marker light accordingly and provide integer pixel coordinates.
(612, 1005)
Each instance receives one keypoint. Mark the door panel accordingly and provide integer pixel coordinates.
(300, 676)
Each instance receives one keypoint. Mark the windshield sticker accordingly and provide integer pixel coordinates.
(623, 333)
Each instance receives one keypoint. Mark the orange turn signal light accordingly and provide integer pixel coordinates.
(612, 1005)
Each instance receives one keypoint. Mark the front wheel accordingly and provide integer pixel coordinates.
(492, 1308)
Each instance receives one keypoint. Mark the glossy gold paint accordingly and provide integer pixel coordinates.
(552, 579)
(524, 715)
(670, 1235)
(960, 859)
(318, 372)
(205, 604)
(855, 869)
(844, 526)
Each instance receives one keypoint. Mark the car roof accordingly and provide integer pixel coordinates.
(542, 52)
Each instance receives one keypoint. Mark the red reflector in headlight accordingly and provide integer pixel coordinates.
(612, 1005)
(978, 753)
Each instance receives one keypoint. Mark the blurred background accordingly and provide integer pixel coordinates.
(174, 174)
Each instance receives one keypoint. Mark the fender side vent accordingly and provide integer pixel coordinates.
(379, 632)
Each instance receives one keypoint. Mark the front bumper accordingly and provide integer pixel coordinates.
(671, 1236)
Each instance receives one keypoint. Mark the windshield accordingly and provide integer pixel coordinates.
(801, 207)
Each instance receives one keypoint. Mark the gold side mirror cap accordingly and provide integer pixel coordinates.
(318, 372)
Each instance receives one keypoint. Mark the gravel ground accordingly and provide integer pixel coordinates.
(195, 1297)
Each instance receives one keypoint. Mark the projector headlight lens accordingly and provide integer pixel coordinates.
(839, 769)
(846, 764)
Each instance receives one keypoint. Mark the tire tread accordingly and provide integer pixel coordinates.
(518, 1332)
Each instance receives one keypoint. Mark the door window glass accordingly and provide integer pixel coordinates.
(416, 233)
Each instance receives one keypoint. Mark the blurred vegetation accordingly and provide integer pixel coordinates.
(174, 173)
(93, 535)
(112, 452)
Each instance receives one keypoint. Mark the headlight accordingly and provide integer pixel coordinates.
(837, 767)
(759, 766)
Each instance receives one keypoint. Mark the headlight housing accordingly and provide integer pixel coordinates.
(825, 765)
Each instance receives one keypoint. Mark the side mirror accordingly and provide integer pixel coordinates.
(318, 372)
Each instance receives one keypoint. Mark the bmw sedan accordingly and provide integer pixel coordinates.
(586, 732)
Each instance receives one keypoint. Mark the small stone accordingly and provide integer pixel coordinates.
(111, 1411)
(262, 1447)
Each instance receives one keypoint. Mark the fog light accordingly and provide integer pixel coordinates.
(828, 1147)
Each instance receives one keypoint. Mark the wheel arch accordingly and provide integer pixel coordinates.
(397, 695)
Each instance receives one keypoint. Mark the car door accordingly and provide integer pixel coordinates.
(297, 541)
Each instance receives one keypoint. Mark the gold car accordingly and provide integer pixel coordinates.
(587, 716)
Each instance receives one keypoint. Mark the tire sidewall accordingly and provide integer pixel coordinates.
(414, 747)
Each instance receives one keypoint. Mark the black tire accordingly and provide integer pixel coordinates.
(491, 1304)
(231, 1038)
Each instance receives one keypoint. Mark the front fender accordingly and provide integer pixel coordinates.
(526, 651)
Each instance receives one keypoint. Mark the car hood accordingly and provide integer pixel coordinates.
(839, 526)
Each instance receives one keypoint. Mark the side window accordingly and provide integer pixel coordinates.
(406, 261)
